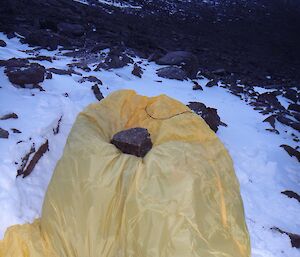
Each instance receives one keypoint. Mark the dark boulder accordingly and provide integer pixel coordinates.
(294, 107)
(210, 115)
(32, 73)
(291, 94)
(134, 141)
(172, 73)
(68, 29)
(186, 60)
(45, 39)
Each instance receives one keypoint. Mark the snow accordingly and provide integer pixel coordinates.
(118, 4)
(262, 167)
(114, 3)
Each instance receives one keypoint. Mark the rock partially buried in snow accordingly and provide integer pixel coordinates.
(115, 59)
(186, 60)
(137, 71)
(291, 151)
(134, 141)
(2, 43)
(172, 73)
(210, 115)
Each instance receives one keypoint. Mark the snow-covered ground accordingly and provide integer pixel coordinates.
(114, 3)
(262, 167)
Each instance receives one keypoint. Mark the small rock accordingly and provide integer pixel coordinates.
(271, 120)
(172, 73)
(134, 141)
(41, 58)
(16, 131)
(9, 116)
(97, 92)
(91, 79)
(295, 239)
(284, 120)
(137, 71)
(48, 75)
(294, 107)
(291, 151)
(115, 59)
(80, 65)
(60, 71)
(273, 131)
(4, 133)
(197, 86)
(2, 43)
(212, 83)
(291, 194)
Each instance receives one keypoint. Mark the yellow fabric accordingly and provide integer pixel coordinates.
(181, 200)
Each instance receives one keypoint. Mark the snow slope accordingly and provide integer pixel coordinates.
(262, 167)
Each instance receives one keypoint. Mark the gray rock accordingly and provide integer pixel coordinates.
(3, 133)
(134, 141)
(172, 73)
(69, 29)
(185, 60)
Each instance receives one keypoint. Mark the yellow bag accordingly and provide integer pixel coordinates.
(181, 200)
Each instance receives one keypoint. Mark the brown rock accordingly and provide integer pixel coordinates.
(295, 239)
(137, 71)
(291, 151)
(97, 92)
(210, 115)
(134, 141)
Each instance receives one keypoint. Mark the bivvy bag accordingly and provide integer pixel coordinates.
(181, 200)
